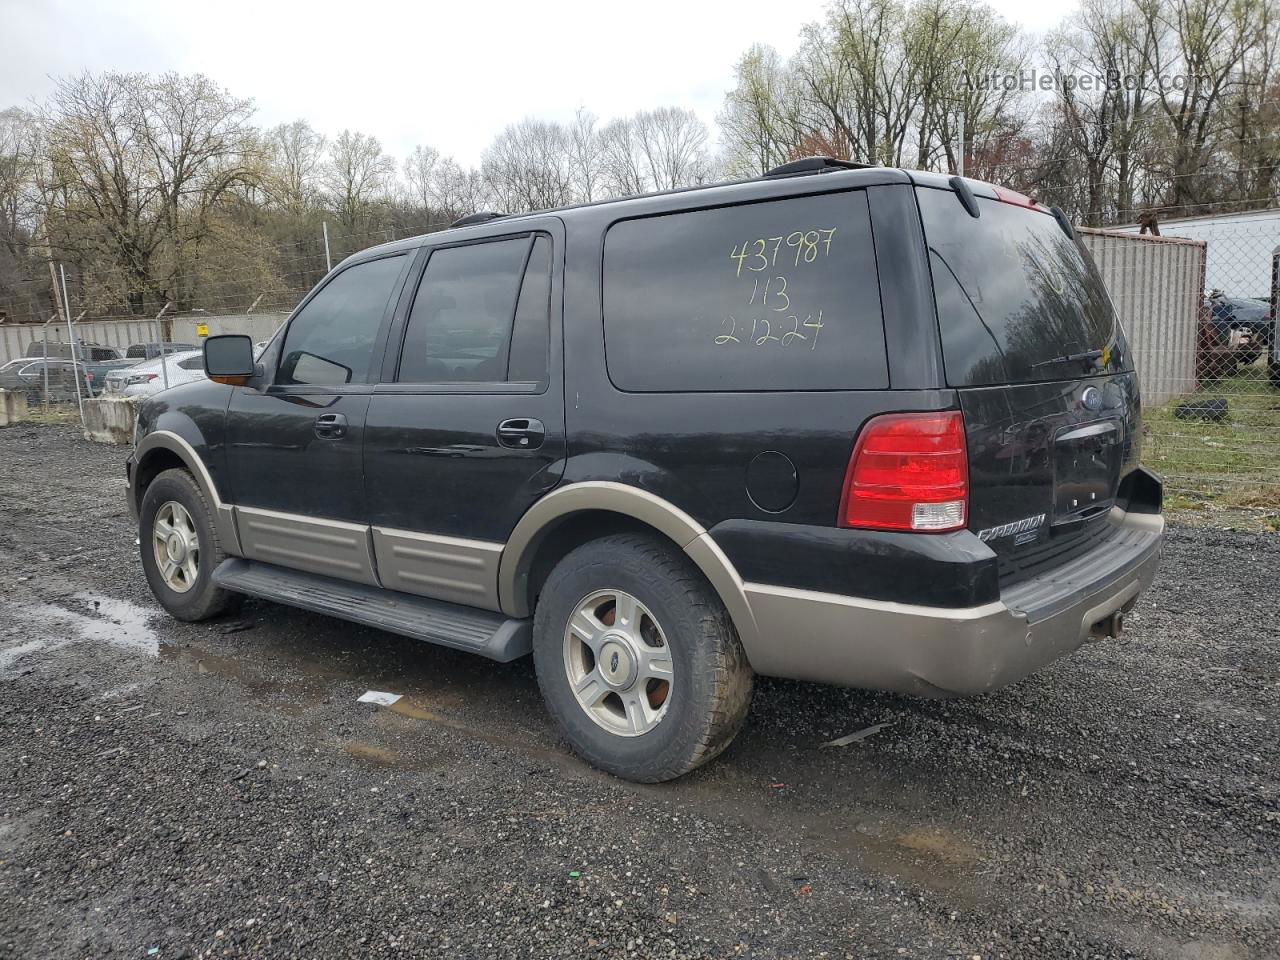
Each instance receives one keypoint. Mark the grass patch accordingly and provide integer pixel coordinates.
(1233, 462)
(55, 414)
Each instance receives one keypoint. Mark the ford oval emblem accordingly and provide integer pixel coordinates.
(1091, 398)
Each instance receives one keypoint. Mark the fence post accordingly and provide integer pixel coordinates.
(45, 354)
(160, 325)
(328, 263)
(75, 352)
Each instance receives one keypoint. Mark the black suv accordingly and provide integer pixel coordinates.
(856, 426)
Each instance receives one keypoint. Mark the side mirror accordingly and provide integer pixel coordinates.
(229, 359)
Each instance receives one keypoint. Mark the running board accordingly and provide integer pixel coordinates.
(489, 634)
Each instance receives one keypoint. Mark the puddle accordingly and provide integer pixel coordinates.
(412, 707)
(80, 618)
(11, 655)
(378, 756)
(940, 844)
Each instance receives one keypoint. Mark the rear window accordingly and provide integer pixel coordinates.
(1018, 300)
(779, 295)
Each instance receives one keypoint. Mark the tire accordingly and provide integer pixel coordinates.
(705, 702)
(200, 600)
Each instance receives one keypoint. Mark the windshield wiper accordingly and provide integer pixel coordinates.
(1071, 358)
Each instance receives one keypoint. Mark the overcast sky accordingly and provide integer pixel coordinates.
(447, 74)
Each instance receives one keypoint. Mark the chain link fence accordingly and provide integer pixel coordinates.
(1199, 304)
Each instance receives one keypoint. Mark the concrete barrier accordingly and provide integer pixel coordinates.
(110, 419)
(13, 407)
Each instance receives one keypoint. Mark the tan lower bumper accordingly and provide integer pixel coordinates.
(934, 651)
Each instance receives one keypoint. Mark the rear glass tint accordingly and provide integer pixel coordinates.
(767, 296)
(1018, 300)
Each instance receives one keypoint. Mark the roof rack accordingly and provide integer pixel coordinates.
(814, 165)
(484, 216)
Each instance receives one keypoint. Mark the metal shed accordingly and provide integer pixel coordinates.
(1157, 285)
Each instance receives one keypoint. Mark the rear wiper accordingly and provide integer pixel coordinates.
(1072, 358)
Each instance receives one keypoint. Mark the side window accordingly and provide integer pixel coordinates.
(460, 324)
(779, 295)
(192, 363)
(531, 332)
(331, 340)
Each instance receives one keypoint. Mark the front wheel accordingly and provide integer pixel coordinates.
(180, 548)
(638, 660)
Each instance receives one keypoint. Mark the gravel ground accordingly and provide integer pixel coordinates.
(178, 790)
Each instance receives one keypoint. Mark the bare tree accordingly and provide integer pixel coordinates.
(357, 176)
(527, 167)
(20, 150)
(754, 122)
(419, 173)
(20, 153)
(622, 160)
(674, 143)
(1203, 42)
(137, 167)
(585, 151)
(296, 156)
(201, 146)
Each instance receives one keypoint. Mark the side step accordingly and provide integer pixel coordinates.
(489, 634)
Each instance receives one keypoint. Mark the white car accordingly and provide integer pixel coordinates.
(145, 379)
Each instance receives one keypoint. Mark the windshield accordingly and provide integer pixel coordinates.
(1018, 300)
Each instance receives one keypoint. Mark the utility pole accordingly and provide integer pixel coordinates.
(960, 160)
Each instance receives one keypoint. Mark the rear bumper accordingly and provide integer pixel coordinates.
(946, 651)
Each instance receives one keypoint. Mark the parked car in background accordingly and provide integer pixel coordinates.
(149, 351)
(95, 372)
(9, 371)
(1237, 331)
(28, 375)
(150, 376)
(85, 351)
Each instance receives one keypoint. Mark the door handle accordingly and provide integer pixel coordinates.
(331, 426)
(521, 433)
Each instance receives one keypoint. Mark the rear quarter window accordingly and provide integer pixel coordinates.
(780, 295)
(1018, 300)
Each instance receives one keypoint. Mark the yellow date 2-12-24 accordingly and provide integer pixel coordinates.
(763, 330)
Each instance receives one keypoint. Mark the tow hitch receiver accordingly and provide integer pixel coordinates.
(1109, 626)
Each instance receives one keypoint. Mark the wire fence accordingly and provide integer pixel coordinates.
(1212, 385)
(1199, 308)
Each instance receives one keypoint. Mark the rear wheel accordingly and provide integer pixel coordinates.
(638, 660)
(180, 548)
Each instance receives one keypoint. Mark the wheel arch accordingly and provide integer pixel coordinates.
(161, 450)
(577, 512)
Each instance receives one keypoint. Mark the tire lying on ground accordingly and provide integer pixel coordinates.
(638, 660)
(1205, 408)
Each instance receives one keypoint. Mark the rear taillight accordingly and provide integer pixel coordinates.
(909, 471)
